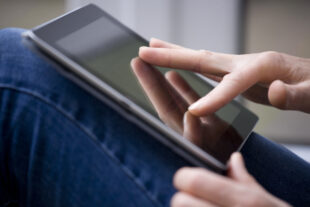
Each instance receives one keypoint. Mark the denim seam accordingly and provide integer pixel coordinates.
(125, 169)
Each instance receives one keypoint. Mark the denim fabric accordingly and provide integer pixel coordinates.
(60, 146)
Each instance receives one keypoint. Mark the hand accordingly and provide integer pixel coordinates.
(171, 95)
(202, 188)
(268, 78)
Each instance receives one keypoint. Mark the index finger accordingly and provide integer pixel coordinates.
(201, 61)
(231, 86)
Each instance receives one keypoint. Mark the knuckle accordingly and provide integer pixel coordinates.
(205, 53)
(179, 200)
(202, 55)
(271, 58)
(270, 64)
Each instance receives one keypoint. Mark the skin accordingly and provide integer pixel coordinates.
(201, 188)
(269, 78)
(171, 95)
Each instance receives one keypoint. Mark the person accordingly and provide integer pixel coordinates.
(60, 146)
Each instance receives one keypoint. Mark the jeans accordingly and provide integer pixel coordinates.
(60, 146)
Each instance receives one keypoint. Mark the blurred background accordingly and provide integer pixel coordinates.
(235, 26)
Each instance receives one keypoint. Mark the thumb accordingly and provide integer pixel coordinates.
(289, 97)
(237, 169)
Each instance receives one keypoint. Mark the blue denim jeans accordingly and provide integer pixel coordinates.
(60, 146)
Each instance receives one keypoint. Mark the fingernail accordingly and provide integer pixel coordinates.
(195, 105)
(142, 48)
(132, 61)
(185, 118)
(236, 157)
(233, 156)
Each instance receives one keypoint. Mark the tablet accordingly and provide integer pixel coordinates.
(95, 50)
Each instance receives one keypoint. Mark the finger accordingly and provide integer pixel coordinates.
(193, 130)
(237, 169)
(231, 86)
(208, 186)
(290, 97)
(213, 77)
(162, 44)
(186, 200)
(169, 105)
(277, 94)
(197, 61)
(182, 87)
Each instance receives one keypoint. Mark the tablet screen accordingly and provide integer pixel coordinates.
(105, 48)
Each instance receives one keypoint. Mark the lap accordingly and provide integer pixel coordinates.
(60, 144)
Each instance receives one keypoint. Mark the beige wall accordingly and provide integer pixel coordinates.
(280, 25)
(28, 13)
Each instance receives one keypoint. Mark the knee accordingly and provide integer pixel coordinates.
(10, 43)
(17, 62)
(13, 52)
(10, 33)
(9, 36)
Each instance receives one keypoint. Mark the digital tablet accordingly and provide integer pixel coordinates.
(95, 50)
